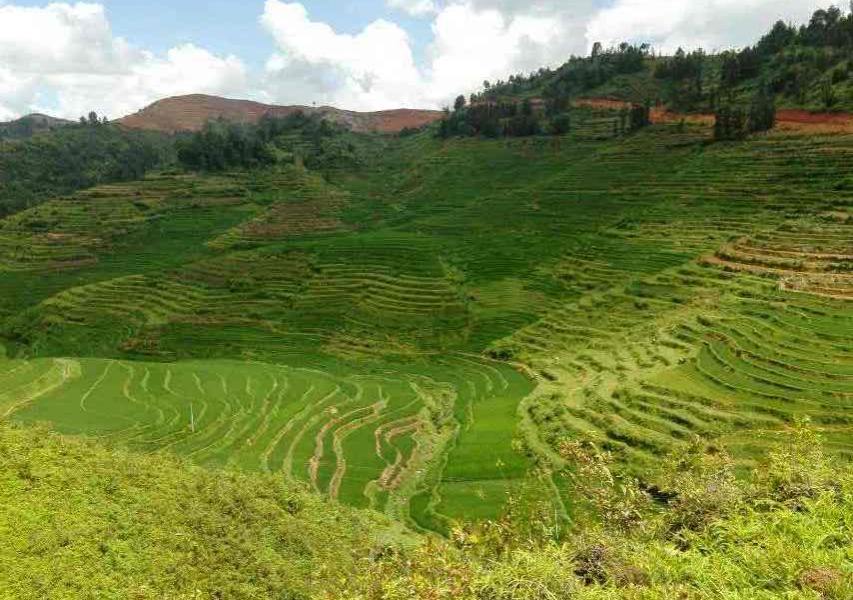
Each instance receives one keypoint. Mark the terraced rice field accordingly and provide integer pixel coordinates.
(365, 439)
(304, 204)
(732, 344)
(384, 334)
(70, 232)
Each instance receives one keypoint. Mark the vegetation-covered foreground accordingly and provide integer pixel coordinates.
(516, 344)
(81, 521)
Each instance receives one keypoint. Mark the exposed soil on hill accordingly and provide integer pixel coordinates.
(785, 118)
(806, 117)
(803, 120)
(661, 114)
(602, 103)
(191, 113)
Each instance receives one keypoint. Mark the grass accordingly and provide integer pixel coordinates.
(320, 427)
(81, 519)
(653, 286)
(84, 521)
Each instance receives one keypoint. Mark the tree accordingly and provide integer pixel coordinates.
(729, 124)
(596, 50)
(640, 116)
(459, 104)
(93, 118)
(444, 124)
(730, 72)
(561, 125)
(762, 113)
(624, 117)
(827, 94)
(779, 37)
(698, 60)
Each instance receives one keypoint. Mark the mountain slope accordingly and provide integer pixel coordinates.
(192, 112)
(29, 125)
(659, 286)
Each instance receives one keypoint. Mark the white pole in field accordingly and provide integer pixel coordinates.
(192, 417)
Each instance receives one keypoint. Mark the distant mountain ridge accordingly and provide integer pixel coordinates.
(29, 125)
(192, 112)
(44, 119)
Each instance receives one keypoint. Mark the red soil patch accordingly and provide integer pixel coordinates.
(191, 113)
(804, 120)
(604, 103)
(663, 115)
(793, 119)
(808, 118)
(659, 114)
(391, 121)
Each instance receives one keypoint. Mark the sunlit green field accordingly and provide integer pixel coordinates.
(410, 335)
(365, 439)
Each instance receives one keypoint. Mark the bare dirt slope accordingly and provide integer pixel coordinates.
(191, 113)
(802, 120)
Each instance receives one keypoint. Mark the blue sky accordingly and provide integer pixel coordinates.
(230, 27)
(117, 56)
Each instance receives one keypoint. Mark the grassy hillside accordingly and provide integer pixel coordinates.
(803, 67)
(385, 330)
(780, 535)
(515, 343)
(79, 520)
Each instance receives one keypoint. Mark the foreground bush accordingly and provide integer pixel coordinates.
(786, 533)
(79, 521)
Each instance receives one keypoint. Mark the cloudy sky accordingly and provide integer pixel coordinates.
(118, 56)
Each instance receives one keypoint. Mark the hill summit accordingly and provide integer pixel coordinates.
(29, 125)
(190, 113)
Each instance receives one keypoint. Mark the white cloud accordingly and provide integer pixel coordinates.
(371, 70)
(70, 50)
(60, 38)
(185, 70)
(413, 7)
(472, 45)
(375, 68)
(579, 9)
(14, 91)
(67, 53)
(712, 24)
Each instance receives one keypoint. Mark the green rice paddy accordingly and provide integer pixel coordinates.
(386, 334)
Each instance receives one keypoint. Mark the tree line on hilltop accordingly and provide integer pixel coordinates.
(511, 118)
(809, 65)
(73, 157)
(308, 139)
